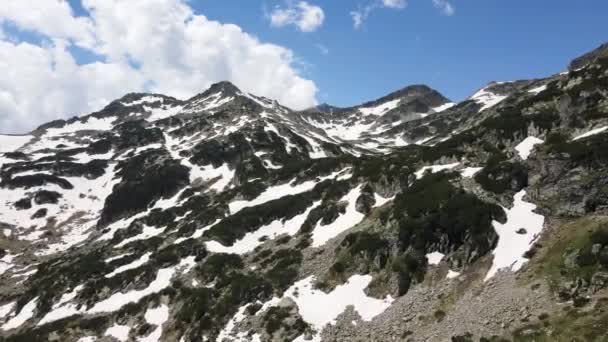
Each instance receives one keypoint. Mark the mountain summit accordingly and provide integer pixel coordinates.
(229, 217)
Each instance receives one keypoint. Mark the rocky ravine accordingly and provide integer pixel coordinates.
(228, 217)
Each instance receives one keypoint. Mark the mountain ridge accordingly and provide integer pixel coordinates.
(229, 217)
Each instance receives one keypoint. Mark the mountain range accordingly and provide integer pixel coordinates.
(230, 217)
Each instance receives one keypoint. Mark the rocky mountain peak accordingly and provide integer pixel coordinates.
(589, 57)
(226, 88)
(418, 92)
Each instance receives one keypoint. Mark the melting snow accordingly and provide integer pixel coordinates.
(591, 132)
(6, 263)
(537, 89)
(10, 143)
(321, 234)
(380, 201)
(222, 175)
(145, 99)
(156, 316)
(162, 112)
(380, 109)
(6, 309)
(63, 308)
(119, 332)
(435, 258)
(435, 168)
(487, 99)
(252, 239)
(226, 332)
(278, 191)
(319, 308)
(134, 264)
(27, 312)
(343, 130)
(288, 144)
(197, 234)
(120, 299)
(146, 233)
(116, 257)
(470, 171)
(423, 140)
(443, 107)
(511, 246)
(91, 124)
(87, 339)
(525, 147)
(451, 274)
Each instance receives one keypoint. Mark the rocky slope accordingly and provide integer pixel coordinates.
(228, 217)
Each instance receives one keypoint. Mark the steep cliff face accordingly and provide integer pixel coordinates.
(230, 217)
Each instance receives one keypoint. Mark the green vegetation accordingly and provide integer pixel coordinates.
(276, 318)
(499, 175)
(570, 326)
(283, 268)
(433, 210)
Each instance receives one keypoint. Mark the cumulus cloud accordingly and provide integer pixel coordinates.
(306, 17)
(444, 6)
(156, 46)
(53, 18)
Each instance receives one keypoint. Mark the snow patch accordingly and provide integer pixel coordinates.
(162, 113)
(321, 234)
(487, 99)
(380, 109)
(538, 89)
(434, 168)
(134, 264)
(443, 107)
(278, 191)
(591, 132)
(120, 299)
(91, 124)
(252, 239)
(525, 147)
(469, 172)
(434, 258)
(119, 332)
(512, 245)
(318, 308)
(452, 274)
(27, 312)
(147, 232)
(156, 316)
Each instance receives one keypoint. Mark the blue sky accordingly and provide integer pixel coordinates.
(483, 41)
(59, 59)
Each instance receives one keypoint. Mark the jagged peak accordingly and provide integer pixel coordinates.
(416, 91)
(224, 87)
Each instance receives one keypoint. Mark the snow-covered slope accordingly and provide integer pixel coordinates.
(229, 217)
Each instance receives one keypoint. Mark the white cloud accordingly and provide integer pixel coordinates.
(360, 16)
(444, 6)
(394, 3)
(157, 46)
(306, 17)
(52, 18)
